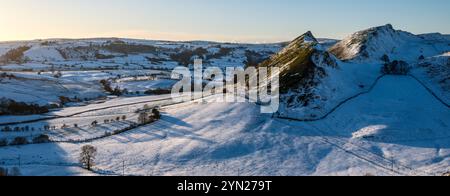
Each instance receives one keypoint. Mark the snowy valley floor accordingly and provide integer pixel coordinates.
(397, 129)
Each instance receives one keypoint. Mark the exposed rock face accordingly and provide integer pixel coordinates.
(302, 66)
(437, 70)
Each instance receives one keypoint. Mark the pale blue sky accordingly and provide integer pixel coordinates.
(221, 20)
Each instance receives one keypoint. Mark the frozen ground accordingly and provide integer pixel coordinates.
(75, 123)
(44, 89)
(59, 68)
(396, 129)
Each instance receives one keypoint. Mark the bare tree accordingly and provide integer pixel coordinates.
(143, 118)
(156, 113)
(87, 156)
(94, 124)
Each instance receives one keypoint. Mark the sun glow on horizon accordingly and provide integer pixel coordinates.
(250, 21)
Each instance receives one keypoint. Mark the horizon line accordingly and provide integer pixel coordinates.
(188, 40)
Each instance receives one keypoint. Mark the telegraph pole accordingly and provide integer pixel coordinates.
(393, 163)
(123, 168)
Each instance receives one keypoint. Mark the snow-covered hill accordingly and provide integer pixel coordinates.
(396, 129)
(435, 73)
(313, 81)
(117, 53)
(42, 72)
(55, 89)
(372, 44)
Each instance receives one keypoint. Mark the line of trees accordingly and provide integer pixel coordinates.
(42, 138)
(184, 57)
(45, 128)
(16, 129)
(107, 86)
(396, 67)
(7, 75)
(15, 55)
(11, 107)
(117, 119)
(106, 121)
(146, 117)
(89, 152)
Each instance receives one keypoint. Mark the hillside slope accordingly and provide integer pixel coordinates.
(312, 81)
(372, 44)
(435, 73)
(361, 137)
(117, 53)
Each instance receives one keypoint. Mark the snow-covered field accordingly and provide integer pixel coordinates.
(359, 121)
(389, 131)
(49, 70)
(125, 54)
(44, 88)
(75, 123)
(142, 86)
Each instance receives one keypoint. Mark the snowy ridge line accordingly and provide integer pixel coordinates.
(430, 91)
